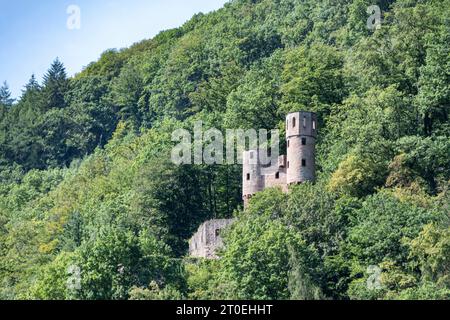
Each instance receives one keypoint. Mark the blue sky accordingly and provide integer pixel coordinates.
(34, 33)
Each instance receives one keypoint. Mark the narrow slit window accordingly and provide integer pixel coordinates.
(304, 122)
(304, 141)
(294, 122)
(217, 232)
(288, 164)
(303, 162)
(314, 125)
(248, 176)
(277, 175)
(288, 143)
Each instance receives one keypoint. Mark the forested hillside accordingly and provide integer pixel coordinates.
(91, 206)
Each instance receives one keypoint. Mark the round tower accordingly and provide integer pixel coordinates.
(251, 175)
(301, 133)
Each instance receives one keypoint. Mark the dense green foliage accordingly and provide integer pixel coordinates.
(87, 188)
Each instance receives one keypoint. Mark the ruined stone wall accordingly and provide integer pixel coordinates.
(271, 180)
(206, 241)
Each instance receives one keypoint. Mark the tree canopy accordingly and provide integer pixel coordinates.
(92, 208)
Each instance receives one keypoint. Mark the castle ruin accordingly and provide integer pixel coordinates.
(297, 166)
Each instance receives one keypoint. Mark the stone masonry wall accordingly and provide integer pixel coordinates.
(207, 240)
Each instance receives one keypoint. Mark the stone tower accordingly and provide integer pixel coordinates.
(301, 133)
(251, 177)
(299, 165)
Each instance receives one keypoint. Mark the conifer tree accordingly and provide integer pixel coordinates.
(5, 95)
(32, 84)
(55, 85)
